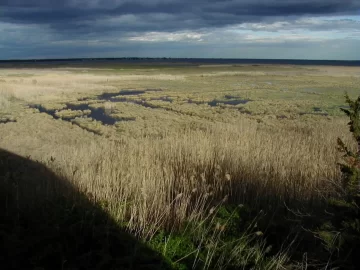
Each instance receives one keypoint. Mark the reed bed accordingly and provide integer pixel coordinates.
(195, 159)
(164, 183)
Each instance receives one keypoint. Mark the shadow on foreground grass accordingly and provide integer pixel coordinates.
(47, 223)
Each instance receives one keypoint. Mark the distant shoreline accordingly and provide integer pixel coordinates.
(174, 61)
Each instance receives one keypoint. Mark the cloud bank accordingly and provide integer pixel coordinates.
(315, 29)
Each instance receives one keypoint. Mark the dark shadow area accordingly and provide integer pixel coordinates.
(167, 99)
(141, 102)
(153, 90)
(216, 102)
(234, 102)
(5, 121)
(124, 92)
(314, 113)
(146, 104)
(245, 111)
(231, 97)
(47, 223)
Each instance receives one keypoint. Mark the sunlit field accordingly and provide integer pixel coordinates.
(163, 149)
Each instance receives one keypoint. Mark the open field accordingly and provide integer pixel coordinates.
(162, 148)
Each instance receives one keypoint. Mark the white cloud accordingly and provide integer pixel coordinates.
(305, 23)
(282, 38)
(310, 37)
(187, 36)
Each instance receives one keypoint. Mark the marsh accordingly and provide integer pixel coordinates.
(161, 148)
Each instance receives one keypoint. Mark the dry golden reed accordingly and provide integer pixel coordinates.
(170, 167)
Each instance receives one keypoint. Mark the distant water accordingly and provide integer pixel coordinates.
(174, 61)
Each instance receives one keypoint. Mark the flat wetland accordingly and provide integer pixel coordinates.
(160, 146)
(157, 97)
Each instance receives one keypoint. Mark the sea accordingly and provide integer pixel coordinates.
(172, 61)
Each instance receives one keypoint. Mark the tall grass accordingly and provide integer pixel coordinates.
(166, 182)
(182, 179)
(178, 181)
(5, 98)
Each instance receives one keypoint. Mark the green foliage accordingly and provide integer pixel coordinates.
(353, 114)
(177, 249)
(228, 239)
(341, 233)
(350, 169)
(232, 221)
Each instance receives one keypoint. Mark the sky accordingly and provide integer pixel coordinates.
(263, 29)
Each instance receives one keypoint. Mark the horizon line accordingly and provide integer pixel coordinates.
(167, 58)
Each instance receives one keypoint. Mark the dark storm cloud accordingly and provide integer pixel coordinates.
(179, 28)
(87, 16)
